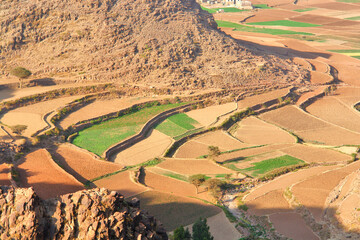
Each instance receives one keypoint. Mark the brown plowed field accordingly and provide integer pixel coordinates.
(206, 116)
(99, 108)
(173, 186)
(251, 152)
(311, 94)
(121, 183)
(287, 180)
(312, 193)
(272, 15)
(348, 213)
(151, 147)
(31, 115)
(292, 226)
(309, 127)
(319, 78)
(271, 202)
(348, 95)
(83, 166)
(221, 228)
(220, 139)
(39, 171)
(317, 155)
(191, 167)
(255, 131)
(335, 111)
(4, 174)
(336, 6)
(314, 19)
(192, 149)
(261, 98)
(173, 210)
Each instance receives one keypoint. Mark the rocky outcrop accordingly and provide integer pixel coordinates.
(88, 214)
(157, 42)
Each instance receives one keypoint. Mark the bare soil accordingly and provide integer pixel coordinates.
(261, 98)
(4, 174)
(39, 171)
(191, 149)
(220, 139)
(269, 203)
(153, 146)
(122, 184)
(82, 165)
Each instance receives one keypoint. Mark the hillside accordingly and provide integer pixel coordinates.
(162, 42)
(92, 214)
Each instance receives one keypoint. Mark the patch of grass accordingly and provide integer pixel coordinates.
(173, 210)
(243, 28)
(187, 133)
(99, 137)
(285, 23)
(226, 9)
(176, 125)
(268, 165)
(353, 18)
(345, 51)
(304, 9)
(262, 6)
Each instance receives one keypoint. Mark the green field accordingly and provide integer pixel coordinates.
(285, 23)
(243, 28)
(226, 9)
(173, 210)
(353, 18)
(268, 165)
(262, 6)
(176, 125)
(99, 137)
(304, 9)
(355, 53)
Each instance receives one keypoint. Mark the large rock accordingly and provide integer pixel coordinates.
(88, 214)
(157, 42)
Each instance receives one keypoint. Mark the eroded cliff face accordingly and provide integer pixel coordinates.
(152, 42)
(88, 214)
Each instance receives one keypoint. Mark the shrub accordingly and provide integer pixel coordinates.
(18, 129)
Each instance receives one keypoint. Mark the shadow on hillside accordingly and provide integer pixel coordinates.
(42, 82)
(6, 93)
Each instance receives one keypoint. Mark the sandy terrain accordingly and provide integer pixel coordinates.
(82, 165)
(4, 174)
(99, 108)
(153, 146)
(173, 186)
(287, 180)
(207, 116)
(292, 226)
(255, 131)
(333, 110)
(121, 183)
(32, 115)
(191, 167)
(317, 155)
(271, 202)
(39, 171)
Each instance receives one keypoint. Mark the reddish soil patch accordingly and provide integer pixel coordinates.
(271, 202)
(83, 166)
(121, 183)
(292, 226)
(320, 78)
(309, 95)
(287, 180)
(173, 186)
(333, 110)
(336, 6)
(191, 167)
(39, 171)
(314, 154)
(272, 15)
(4, 174)
(255, 131)
(314, 19)
(153, 146)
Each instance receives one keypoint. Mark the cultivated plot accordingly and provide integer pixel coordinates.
(177, 124)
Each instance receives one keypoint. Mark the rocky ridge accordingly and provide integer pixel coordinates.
(152, 42)
(88, 214)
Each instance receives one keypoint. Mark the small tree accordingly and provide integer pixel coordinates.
(18, 129)
(182, 234)
(214, 187)
(213, 152)
(197, 180)
(201, 230)
(20, 73)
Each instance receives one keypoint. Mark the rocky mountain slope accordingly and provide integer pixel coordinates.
(157, 42)
(91, 214)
